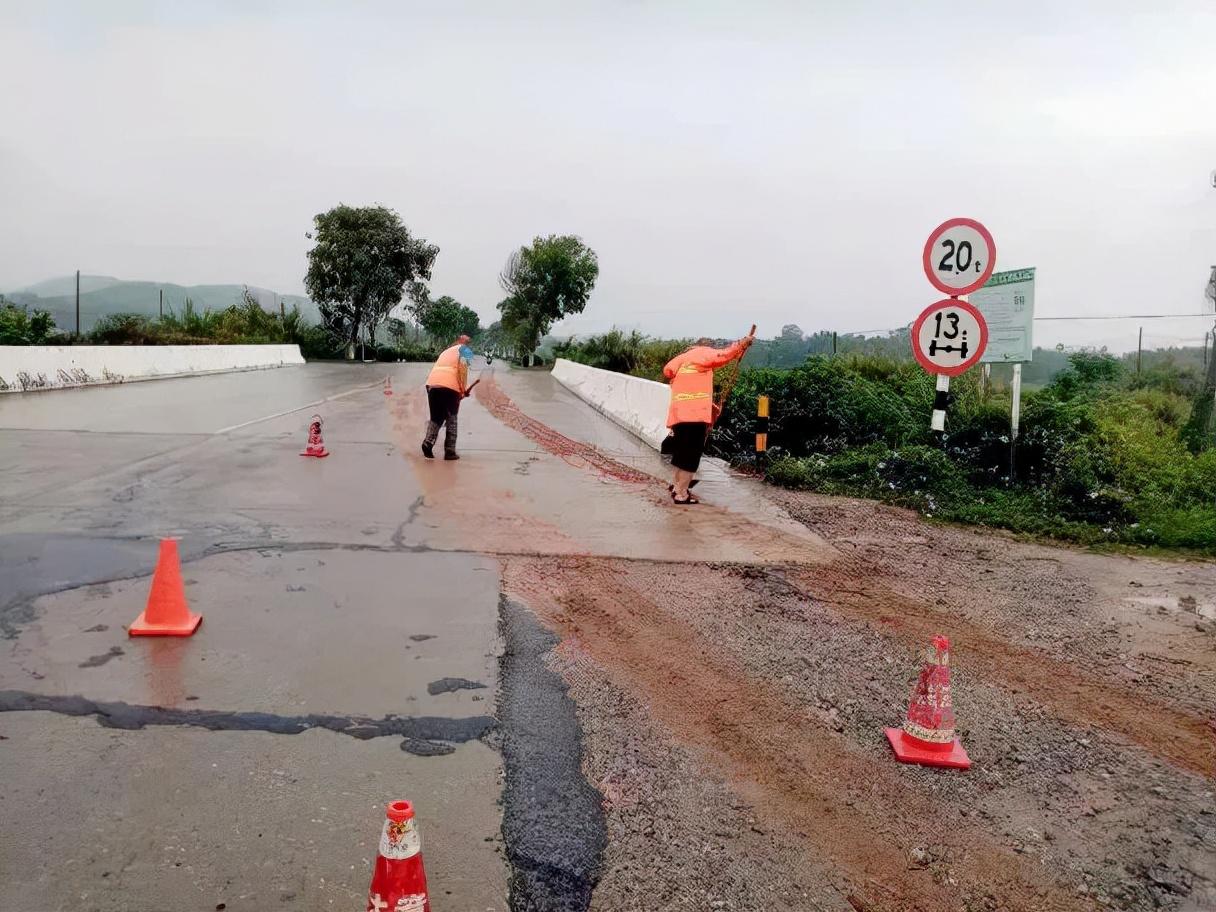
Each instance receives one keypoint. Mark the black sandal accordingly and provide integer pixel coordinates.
(684, 503)
(671, 489)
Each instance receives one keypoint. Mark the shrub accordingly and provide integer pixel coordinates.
(317, 343)
(20, 327)
(1102, 456)
(915, 476)
(122, 329)
(417, 352)
(633, 354)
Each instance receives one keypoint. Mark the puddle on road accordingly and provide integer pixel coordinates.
(1168, 604)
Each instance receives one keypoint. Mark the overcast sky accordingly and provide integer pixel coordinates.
(775, 162)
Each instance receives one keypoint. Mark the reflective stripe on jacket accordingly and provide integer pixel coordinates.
(692, 382)
(450, 371)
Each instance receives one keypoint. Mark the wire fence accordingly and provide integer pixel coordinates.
(1116, 335)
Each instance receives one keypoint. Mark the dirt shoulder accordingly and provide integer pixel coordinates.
(733, 719)
(1148, 623)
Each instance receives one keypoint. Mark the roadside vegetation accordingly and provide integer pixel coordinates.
(1105, 454)
(21, 326)
(626, 353)
(367, 274)
(244, 323)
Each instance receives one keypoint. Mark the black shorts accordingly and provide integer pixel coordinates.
(443, 402)
(688, 444)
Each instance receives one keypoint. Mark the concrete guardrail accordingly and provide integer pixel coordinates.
(639, 406)
(43, 367)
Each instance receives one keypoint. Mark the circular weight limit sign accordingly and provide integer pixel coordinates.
(959, 256)
(948, 337)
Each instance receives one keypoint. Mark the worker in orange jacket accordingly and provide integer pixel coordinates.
(692, 413)
(446, 386)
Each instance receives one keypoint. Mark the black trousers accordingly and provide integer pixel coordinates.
(688, 443)
(444, 405)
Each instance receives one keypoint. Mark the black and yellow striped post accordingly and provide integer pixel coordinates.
(761, 427)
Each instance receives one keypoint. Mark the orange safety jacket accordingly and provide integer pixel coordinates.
(450, 371)
(692, 382)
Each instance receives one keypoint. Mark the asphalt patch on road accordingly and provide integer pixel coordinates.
(451, 685)
(99, 660)
(553, 820)
(425, 736)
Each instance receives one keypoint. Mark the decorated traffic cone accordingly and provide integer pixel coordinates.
(167, 613)
(388, 386)
(399, 878)
(928, 733)
(316, 444)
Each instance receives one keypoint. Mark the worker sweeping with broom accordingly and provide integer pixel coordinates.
(692, 412)
(446, 386)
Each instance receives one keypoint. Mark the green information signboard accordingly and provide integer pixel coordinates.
(1007, 303)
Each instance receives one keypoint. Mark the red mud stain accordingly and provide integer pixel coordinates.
(574, 452)
(493, 521)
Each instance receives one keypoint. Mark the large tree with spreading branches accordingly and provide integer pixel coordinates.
(546, 281)
(359, 265)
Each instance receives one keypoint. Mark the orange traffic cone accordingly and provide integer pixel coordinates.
(167, 613)
(316, 444)
(928, 733)
(388, 386)
(399, 878)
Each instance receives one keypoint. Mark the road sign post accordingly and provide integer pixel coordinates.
(1015, 418)
(952, 335)
(947, 338)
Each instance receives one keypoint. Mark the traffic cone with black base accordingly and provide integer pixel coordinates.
(167, 613)
(399, 878)
(927, 737)
(316, 443)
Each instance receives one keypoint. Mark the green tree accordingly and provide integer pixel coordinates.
(519, 336)
(493, 340)
(20, 327)
(359, 266)
(545, 282)
(470, 322)
(401, 331)
(419, 298)
(446, 318)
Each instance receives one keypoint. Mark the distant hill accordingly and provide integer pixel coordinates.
(101, 296)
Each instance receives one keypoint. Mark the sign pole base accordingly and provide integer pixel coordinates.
(940, 400)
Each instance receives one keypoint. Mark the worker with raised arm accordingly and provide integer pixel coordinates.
(446, 386)
(692, 411)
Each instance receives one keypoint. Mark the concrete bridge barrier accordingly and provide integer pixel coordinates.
(638, 405)
(42, 367)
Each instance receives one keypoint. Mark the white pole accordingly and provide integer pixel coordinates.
(938, 423)
(1015, 410)
(1015, 420)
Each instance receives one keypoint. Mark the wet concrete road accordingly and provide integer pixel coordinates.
(310, 608)
(363, 588)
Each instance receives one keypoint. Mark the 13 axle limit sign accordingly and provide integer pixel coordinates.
(948, 337)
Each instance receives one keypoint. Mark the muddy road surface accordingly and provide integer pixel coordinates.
(733, 715)
(596, 700)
